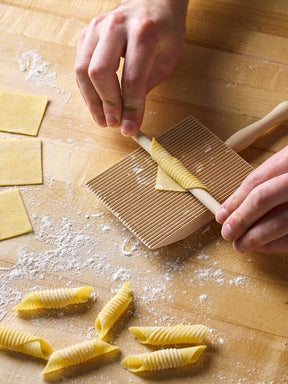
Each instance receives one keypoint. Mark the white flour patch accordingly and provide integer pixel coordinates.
(121, 274)
(37, 70)
(239, 280)
(130, 245)
(203, 297)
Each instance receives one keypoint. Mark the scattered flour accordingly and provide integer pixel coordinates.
(130, 245)
(203, 297)
(37, 71)
(121, 274)
(240, 280)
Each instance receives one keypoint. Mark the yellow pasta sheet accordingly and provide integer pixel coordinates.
(18, 341)
(20, 113)
(54, 298)
(173, 168)
(14, 220)
(178, 334)
(163, 359)
(113, 310)
(21, 162)
(166, 183)
(77, 354)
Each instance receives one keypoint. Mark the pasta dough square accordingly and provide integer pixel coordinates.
(14, 220)
(21, 162)
(20, 113)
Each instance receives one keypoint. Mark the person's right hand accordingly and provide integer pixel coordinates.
(149, 35)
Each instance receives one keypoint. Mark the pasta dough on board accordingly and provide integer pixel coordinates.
(113, 310)
(21, 162)
(19, 341)
(77, 354)
(174, 168)
(163, 359)
(178, 334)
(165, 183)
(54, 298)
(20, 113)
(14, 220)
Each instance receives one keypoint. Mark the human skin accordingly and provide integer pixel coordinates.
(150, 36)
(255, 216)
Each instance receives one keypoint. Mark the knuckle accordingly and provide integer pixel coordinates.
(254, 179)
(109, 102)
(81, 70)
(97, 71)
(130, 108)
(146, 29)
(112, 21)
(275, 226)
(250, 242)
(96, 21)
(238, 221)
(132, 81)
(259, 197)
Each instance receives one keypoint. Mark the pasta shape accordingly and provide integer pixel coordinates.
(174, 168)
(77, 354)
(179, 334)
(54, 298)
(113, 310)
(19, 341)
(163, 359)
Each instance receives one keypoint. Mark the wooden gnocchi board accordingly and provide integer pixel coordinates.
(232, 71)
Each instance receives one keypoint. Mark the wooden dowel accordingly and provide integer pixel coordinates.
(246, 136)
(239, 141)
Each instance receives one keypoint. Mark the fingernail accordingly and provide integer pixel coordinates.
(222, 215)
(128, 128)
(227, 232)
(100, 120)
(111, 120)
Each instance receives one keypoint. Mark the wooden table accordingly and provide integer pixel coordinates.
(232, 72)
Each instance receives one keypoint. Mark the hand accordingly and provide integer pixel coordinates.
(255, 216)
(150, 35)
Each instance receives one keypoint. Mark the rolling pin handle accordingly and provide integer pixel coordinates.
(246, 136)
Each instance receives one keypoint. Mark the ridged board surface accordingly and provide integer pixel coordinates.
(160, 218)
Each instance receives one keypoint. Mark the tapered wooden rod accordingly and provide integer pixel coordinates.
(239, 141)
(246, 136)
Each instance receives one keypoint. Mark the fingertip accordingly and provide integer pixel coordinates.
(100, 120)
(128, 128)
(238, 246)
(227, 232)
(112, 120)
(221, 215)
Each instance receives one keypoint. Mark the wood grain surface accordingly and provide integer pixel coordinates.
(233, 71)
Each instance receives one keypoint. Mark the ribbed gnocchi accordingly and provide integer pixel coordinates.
(113, 310)
(178, 334)
(163, 359)
(54, 298)
(22, 342)
(77, 354)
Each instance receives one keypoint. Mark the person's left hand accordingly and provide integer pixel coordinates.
(255, 216)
